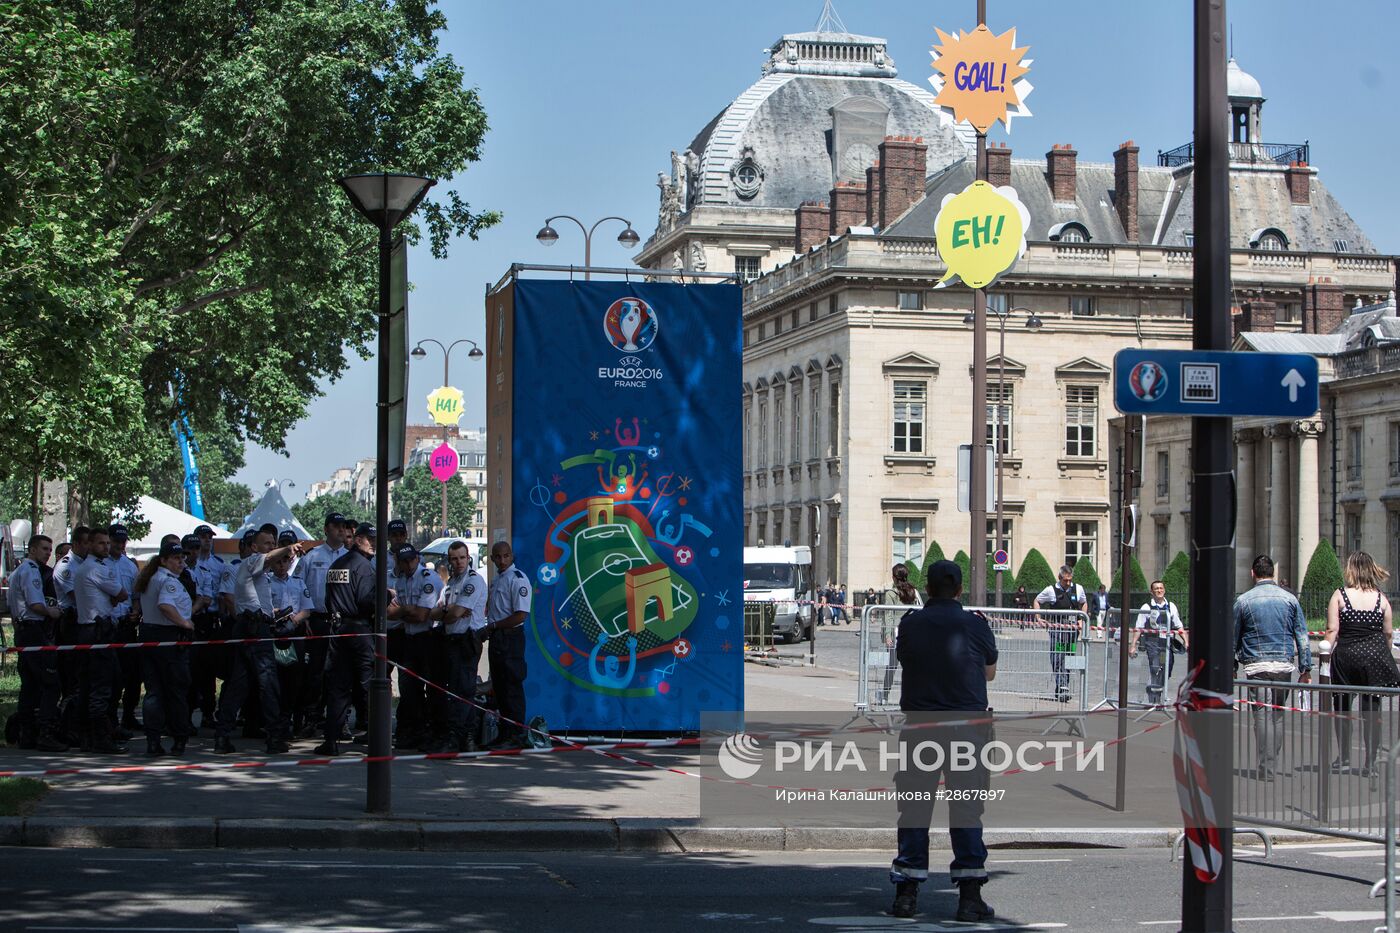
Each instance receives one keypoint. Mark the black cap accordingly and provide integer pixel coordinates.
(365, 530)
(287, 537)
(191, 542)
(406, 552)
(204, 530)
(334, 518)
(170, 548)
(397, 525)
(941, 570)
(250, 535)
(347, 522)
(118, 531)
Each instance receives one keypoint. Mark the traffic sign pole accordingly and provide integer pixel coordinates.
(1206, 905)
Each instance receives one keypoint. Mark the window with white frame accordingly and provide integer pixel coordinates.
(816, 450)
(1083, 306)
(909, 399)
(796, 424)
(911, 301)
(833, 418)
(1081, 420)
(908, 540)
(779, 438)
(1271, 240)
(1081, 540)
(1073, 233)
(1005, 542)
(1355, 454)
(761, 448)
(999, 426)
(746, 267)
(996, 304)
(1164, 476)
(1353, 532)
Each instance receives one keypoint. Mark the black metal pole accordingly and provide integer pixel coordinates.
(1206, 907)
(377, 795)
(977, 467)
(1125, 588)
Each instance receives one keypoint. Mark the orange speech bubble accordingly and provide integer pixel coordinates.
(979, 77)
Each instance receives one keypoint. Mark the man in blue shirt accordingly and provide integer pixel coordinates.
(948, 655)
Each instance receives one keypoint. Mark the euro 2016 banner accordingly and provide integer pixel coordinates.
(626, 501)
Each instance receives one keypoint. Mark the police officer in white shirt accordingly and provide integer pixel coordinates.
(167, 614)
(1157, 621)
(312, 569)
(96, 592)
(422, 717)
(291, 606)
(1064, 594)
(462, 610)
(255, 663)
(127, 614)
(35, 617)
(507, 608)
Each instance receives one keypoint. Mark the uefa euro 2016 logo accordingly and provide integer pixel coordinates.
(630, 325)
(1148, 381)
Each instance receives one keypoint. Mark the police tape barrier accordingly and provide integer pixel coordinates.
(206, 643)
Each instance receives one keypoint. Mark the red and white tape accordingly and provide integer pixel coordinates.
(206, 643)
(1200, 821)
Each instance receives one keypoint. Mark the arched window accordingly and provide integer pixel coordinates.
(1268, 238)
(1071, 231)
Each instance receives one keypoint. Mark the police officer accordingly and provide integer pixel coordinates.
(398, 535)
(167, 614)
(71, 554)
(462, 609)
(35, 616)
(948, 655)
(507, 608)
(1063, 594)
(422, 711)
(95, 593)
(255, 663)
(284, 538)
(208, 563)
(291, 605)
(312, 569)
(1158, 620)
(350, 599)
(210, 571)
(128, 616)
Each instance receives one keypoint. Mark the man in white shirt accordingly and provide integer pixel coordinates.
(126, 614)
(508, 601)
(96, 592)
(1157, 621)
(312, 569)
(462, 609)
(1064, 594)
(35, 616)
(422, 717)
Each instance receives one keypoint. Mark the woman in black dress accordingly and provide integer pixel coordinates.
(1359, 631)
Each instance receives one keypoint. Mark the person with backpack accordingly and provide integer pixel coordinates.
(1161, 622)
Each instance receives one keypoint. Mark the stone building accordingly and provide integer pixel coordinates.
(857, 370)
(471, 468)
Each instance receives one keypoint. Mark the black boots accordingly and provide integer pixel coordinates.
(223, 745)
(971, 907)
(906, 899)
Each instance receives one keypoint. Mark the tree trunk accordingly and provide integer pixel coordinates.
(54, 515)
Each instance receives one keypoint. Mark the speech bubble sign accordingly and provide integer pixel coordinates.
(980, 233)
(445, 405)
(444, 462)
(979, 77)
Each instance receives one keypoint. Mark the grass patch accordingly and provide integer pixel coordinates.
(17, 795)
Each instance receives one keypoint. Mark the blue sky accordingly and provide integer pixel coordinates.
(587, 99)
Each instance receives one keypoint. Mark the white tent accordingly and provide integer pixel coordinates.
(165, 520)
(272, 508)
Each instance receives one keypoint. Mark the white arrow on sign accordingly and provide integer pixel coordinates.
(1293, 381)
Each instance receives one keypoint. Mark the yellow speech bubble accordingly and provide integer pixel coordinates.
(445, 405)
(981, 232)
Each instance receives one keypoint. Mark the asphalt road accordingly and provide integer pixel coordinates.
(126, 891)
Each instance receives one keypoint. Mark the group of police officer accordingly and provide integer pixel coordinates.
(277, 687)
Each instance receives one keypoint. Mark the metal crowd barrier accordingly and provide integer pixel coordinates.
(1105, 651)
(760, 642)
(1042, 663)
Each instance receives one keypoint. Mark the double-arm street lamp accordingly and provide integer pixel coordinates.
(418, 354)
(548, 236)
(1033, 324)
(384, 200)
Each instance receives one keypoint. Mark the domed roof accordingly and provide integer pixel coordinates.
(1241, 83)
(817, 116)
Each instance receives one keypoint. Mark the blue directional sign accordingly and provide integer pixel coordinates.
(1214, 383)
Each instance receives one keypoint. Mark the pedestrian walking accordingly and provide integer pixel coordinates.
(1064, 594)
(1271, 642)
(948, 655)
(1158, 625)
(508, 602)
(1359, 631)
(167, 614)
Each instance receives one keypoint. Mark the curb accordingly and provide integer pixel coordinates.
(604, 835)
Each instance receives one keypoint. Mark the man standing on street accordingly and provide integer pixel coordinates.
(1063, 595)
(96, 591)
(1158, 620)
(507, 608)
(350, 600)
(462, 609)
(948, 655)
(35, 616)
(1271, 641)
(422, 714)
(312, 569)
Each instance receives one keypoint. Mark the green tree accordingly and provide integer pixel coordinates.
(1136, 579)
(916, 575)
(1086, 576)
(965, 565)
(170, 214)
(417, 498)
(312, 514)
(1177, 579)
(1035, 573)
(1324, 572)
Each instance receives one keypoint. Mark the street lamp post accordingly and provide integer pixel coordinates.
(384, 200)
(548, 236)
(419, 353)
(1033, 324)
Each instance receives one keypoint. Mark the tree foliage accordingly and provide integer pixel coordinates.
(1086, 575)
(1035, 573)
(1324, 570)
(1177, 579)
(916, 575)
(417, 499)
(169, 211)
(1136, 578)
(312, 514)
(965, 565)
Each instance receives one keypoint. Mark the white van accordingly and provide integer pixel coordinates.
(782, 575)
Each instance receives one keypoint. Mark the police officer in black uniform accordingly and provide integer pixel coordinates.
(350, 601)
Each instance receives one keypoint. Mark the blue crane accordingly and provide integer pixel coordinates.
(189, 447)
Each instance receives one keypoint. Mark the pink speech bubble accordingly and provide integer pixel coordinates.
(444, 463)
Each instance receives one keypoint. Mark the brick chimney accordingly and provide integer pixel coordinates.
(1125, 189)
(1328, 304)
(813, 223)
(1060, 164)
(1299, 179)
(998, 164)
(1257, 315)
(872, 194)
(903, 166)
(847, 206)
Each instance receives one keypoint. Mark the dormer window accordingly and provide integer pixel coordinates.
(1070, 232)
(1270, 239)
(747, 175)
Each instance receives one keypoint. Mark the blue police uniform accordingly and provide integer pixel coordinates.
(95, 592)
(350, 600)
(509, 593)
(165, 671)
(312, 569)
(255, 663)
(422, 711)
(463, 652)
(38, 670)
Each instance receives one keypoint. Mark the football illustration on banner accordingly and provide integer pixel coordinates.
(444, 462)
